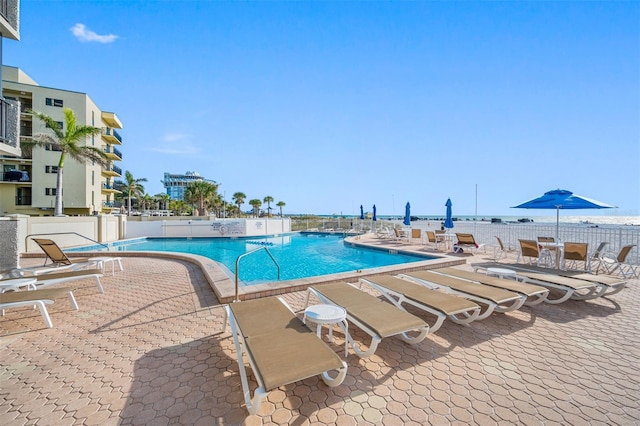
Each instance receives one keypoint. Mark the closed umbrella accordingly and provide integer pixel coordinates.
(361, 213)
(562, 199)
(373, 218)
(407, 214)
(448, 222)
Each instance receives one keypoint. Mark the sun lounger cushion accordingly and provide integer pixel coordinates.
(383, 318)
(495, 295)
(556, 279)
(445, 303)
(283, 349)
(45, 294)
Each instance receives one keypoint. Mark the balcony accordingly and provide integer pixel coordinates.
(108, 188)
(113, 153)
(110, 135)
(111, 119)
(15, 176)
(112, 170)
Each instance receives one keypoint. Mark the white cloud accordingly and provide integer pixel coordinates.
(175, 143)
(83, 34)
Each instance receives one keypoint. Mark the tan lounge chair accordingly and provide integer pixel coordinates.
(529, 249)
(39, 298)
(535, 294)
(574, 253)
(56, 255)
(436, 240)
(280, 348)
(467, 241)
(375, 317)
(438, 303)
(611, 283)
(495, 299)
(572, 288)
(614, 263)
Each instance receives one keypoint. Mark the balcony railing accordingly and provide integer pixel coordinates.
(108, 131)
(117, 170)
(113, 150)
(16, 176)
(24, 200)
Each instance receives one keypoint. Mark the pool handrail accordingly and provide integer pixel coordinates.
(26, 239)
(246, 254)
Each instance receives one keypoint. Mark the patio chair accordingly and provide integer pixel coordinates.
(469, 242)
(38, 298)
(436, 240)
(280, 348)
(376, 318)
(440, 304)
(613, 263)
(574, 253)
(529, 249)
(56, 255)
(495, 299)
(535, 294)
(500, 251)
(416, 234)
(596, 257)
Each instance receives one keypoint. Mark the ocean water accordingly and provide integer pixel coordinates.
(564, 218)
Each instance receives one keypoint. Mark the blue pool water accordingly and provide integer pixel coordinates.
(299, 255)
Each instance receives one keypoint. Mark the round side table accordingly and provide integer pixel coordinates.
(502, 273)
(325, 314)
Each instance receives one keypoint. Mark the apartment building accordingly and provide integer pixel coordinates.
(176, 184)
(9, 117)
(28, 179)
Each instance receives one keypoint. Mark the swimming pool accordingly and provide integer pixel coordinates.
(299, 255)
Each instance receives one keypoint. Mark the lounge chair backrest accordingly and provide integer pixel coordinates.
(624, 252)
(466, 239)
(431, 236)
(416, 233)
(397, 232)
(440, 231)
(53, 251)
(529, 248)
(500, 243)
(546, 240)
(576, 251)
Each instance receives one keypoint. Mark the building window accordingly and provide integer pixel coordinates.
(51, 147)
(54, 102)
(60, 125)
(51, 169)
(50, 191)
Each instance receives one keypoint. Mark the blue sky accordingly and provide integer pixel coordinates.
(329, 105)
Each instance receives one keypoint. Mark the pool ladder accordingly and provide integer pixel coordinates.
(236, 299)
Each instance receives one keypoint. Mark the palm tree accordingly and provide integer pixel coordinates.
(179, 207)
(281, 204)
(239, 198)
(132, 188)
(68, 143)
(268, 199)
(163, 200)
(147, 202)
(255, 203)
(199, 193)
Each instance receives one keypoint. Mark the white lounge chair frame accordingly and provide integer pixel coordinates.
(37, 298)
(463, 316)
(254, 403)
(375, 338)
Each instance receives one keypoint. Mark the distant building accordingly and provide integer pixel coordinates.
(176, 184)
(28, 179)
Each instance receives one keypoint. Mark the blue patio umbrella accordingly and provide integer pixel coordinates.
(407, 214)
(374, 213)
(361, 213)
(562, 199)
(448, 222)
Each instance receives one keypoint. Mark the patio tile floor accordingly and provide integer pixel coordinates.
(151, 350)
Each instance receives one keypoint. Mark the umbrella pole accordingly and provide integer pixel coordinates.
(557, 224)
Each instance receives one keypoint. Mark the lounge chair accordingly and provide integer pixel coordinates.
(596, 257)
(495, 299)
(375, 317)
(500, 250)
(613, 284)
(53, 278)
(535, 294)
(613, 263)
(469, 242)
(280, 348)
(39, 298)
(416, 234)
(438, 303)
(572, 288)
(56, 255)
(574, 253)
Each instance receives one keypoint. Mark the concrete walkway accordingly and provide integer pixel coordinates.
(150, 351)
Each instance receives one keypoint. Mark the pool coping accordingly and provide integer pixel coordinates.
(225, 289)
